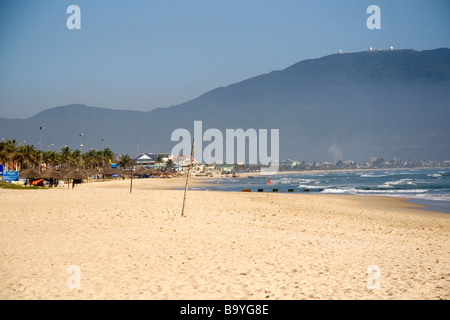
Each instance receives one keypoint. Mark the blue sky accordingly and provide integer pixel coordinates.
(140, 55)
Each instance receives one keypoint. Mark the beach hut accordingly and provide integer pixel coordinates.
(52, 175)
(76, 176)
(29, 174)
(141, 171)
(66, 174)
(108, 171)
(89, 173)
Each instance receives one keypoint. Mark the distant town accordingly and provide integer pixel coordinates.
(17, 158)
(372, 163)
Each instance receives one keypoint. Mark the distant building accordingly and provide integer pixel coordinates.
(182, 161)
(150, 159)
(224, 168)
(289, 163)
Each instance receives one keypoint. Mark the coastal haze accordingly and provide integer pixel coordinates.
(347, 106)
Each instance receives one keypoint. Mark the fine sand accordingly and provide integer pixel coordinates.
(98, 241)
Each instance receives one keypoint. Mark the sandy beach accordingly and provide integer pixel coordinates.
(98, 241)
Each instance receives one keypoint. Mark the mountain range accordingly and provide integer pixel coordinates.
(386, 103)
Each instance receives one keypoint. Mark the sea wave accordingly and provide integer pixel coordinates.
(294, 180)
(368, 191)
(432, 196)
(340, 190)
(391, 184)
(374, 175)
(408, 191)
(307, 186)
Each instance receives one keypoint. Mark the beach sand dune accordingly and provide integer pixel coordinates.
(229, 245)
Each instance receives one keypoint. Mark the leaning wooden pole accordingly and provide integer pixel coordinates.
(131, 180)
(187, 177)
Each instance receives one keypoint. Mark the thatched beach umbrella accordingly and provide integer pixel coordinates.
(77, 175)
(88, 173)
(51, 174)
(65, 174)
(93, 172)
(124, 172)
(141, 170)
(29, 174)
(109, 171)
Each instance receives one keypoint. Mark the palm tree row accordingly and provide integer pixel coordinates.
(22, 157)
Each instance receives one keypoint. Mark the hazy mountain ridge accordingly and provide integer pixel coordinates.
(349, 106)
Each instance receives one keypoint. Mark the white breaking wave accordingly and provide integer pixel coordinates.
(436, 197)
(306, 186)
(295, 180)
(410, 191)
(340, 190)
(374, 175)
(391, 184)
(390, 192)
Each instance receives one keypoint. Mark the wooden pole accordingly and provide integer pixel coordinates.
(131, 182)
(187, 177)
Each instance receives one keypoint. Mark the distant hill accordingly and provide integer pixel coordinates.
(342, 106)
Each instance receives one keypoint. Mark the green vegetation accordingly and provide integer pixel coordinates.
(125, 161)
(7, 185)
(27, 156)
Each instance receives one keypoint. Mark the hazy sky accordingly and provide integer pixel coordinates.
(140, 55)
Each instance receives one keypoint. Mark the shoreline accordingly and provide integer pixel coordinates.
(403, 204)
(415, 203)
(178, 183)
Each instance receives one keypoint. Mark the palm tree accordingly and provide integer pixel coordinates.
(108, 155)
(8, 151)
(125, 161)
(159, 160)
(93, 158)
(169, 164)
(74, 159)
(27, 156)
(52, 158)
(65, 156)
(4, 156)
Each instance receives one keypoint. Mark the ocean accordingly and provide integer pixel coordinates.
(430, 187)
